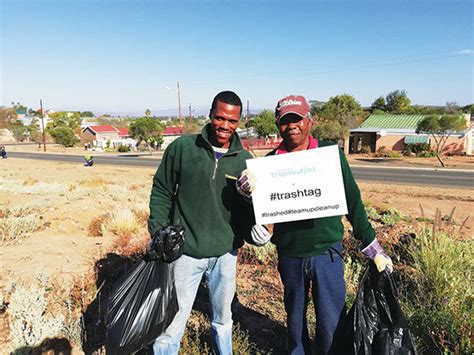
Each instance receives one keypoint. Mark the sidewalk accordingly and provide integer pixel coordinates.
(452, 163)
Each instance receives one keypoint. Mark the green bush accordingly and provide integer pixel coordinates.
(427, 154)
(123, 148)
(383, 153)
(372, 213)
(440, 307)
(391, 216)
(416, 147)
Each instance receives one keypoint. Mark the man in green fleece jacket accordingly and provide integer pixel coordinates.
(197, 174)
(309, 251)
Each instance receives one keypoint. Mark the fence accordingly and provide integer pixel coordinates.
(260, 143)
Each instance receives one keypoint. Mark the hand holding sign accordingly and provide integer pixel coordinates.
(297, 186)
(245, 184)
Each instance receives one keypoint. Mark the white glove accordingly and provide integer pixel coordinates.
(245, 184)
(383, 263)
(375, 252)
(260, 235)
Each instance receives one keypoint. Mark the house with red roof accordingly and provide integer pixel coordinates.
(100, 135)
(170, 134)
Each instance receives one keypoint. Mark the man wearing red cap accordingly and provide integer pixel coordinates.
(309, 251)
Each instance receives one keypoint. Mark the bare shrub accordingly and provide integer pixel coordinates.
(142, 213)
(18, 223)
(97, 227)
(352, 273)
(28, 319)
(130, 245)
(251, 254)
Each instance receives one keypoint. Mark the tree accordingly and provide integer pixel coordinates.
(19, 131)
(378, 104)
(397, 102)
(468, 109)
(264, 123)
(452, 108)
(32, 112)
(7, 116)
(71, 120)
(87, 114)
(191, 125)
(64, 136)
(147, 130)
(35, 133)
(329, 131)
(345, 110)
(440, 128)
(316, 107)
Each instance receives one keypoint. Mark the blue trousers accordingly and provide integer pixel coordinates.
(324, 274)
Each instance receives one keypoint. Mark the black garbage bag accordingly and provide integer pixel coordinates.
(375, 323)
(168, 243)
(140, 307)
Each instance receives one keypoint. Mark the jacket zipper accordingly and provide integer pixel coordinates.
(216, 161)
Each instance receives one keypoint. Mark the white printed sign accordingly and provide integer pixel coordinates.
(297, 186)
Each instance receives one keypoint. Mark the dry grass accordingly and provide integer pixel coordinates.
(30, 182)
(94, 183)
(123, 223)
(96, 227)
(142, 213)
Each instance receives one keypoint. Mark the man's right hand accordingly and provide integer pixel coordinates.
(245, 184)
(260, 235)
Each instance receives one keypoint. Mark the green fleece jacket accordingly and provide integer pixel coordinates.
(215, 217)
(314, 236)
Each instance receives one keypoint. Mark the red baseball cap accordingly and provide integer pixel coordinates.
(292, 104)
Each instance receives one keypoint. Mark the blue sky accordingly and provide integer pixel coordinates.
(126, 56)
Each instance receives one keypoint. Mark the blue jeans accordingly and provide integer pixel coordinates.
(219, 273)
(325, 273)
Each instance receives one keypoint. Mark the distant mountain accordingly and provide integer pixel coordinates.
(170, 112)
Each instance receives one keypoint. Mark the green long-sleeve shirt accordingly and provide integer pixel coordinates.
(215, 217)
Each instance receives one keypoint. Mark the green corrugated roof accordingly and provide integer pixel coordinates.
(392, 121)
(416, 139)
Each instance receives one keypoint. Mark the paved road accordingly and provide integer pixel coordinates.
(398, 175)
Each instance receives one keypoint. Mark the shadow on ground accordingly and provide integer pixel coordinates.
(52, 346)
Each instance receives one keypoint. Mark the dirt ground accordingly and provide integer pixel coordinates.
(68, 196)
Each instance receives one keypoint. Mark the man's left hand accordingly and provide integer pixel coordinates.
(375, 252)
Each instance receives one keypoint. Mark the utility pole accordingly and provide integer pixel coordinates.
(247, 118)
(179, 107)
(190, 115)
(42, 125)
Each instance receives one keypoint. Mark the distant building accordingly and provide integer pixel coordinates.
(28, 119)
(20, 112)
(170, 134)
(100, 135)
(394, 131)
(250, 132)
